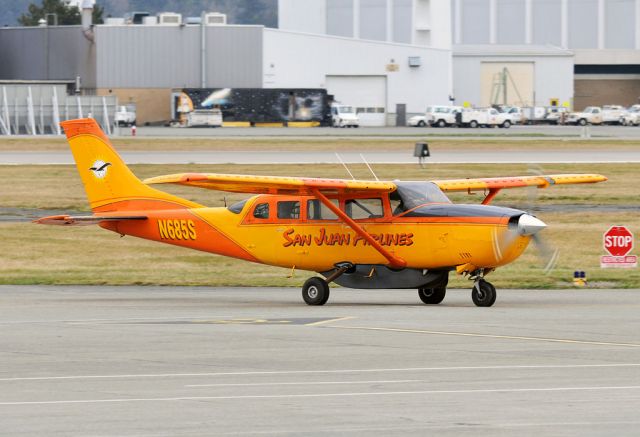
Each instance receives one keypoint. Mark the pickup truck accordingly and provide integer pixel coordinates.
(344, 116)
(613, 114)
(125, 116)
(441, 116)
(632, 116)
(590, 115)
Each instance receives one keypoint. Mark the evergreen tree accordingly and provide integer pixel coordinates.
(67, 15)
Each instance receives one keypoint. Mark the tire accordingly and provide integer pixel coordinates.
(483, 294)
(441, 123)
(432, 296)
(422, 123)
(582, 122)
(506, 124)
(315, 291)
(473, 124)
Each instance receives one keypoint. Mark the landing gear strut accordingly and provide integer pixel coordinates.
(315, 291)
(434, 295)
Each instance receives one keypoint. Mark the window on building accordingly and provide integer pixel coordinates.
(373, 19)
(583, 24)
(289, 209)
(364, 208)
(547, 22)
(475, 21)
(511, 21)
(340, 17)
(402, 11)
(316, 210)
(261, 211)
(620, 25)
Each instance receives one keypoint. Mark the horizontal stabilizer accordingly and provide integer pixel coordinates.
(84, 220)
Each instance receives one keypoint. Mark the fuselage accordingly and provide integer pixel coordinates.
(297, 231)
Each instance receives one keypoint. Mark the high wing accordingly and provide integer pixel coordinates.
(541, 181)
(83, 220)
(494, 185)
(272, 184)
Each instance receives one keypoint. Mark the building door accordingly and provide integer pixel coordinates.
(368, 94)
(514, 78)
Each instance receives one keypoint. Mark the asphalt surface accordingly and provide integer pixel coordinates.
(315, 157)
(631, 132)
(172, 361)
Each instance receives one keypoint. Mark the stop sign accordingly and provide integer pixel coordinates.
(618, 241)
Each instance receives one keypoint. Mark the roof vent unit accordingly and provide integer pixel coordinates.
(215, 19)
(149, 21)
(170, 19)
(114, 21)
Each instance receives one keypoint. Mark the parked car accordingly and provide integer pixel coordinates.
(613, 114)
(484, 117)
(344, 116)
(125, 116)
(590, 115)
(417, 121)
(632, 116)
(441, 116)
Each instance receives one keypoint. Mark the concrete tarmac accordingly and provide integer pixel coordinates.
(317, 157)
(534, 131)
(176, 361)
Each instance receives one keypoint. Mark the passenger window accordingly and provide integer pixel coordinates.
(364, 208)
(289, 210)
(261, 211)
(316, 210)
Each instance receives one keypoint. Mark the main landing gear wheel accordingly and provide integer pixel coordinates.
(483, 293)
(315, 291)
(432, 296)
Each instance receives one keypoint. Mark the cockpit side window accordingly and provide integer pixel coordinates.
(364, 208)
(316, 210)
(261, 211)
(289, 209)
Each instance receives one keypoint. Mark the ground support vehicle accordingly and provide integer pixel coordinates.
(590, 115)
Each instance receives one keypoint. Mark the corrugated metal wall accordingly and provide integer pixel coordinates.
(47, 53)
(169, 56)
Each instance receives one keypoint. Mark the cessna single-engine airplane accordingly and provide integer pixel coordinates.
(359, 234)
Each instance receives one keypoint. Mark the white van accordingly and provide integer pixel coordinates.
(344, 116)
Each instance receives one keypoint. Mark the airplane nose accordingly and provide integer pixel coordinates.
(529, 225)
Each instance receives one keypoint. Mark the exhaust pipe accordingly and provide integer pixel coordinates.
(87, 19)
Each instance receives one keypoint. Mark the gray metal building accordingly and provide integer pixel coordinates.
(139, 64)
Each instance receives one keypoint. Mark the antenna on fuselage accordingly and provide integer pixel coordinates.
(369, 167)
(345, 166)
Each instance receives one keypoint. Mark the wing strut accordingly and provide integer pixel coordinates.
(394, 261)
(492, 193)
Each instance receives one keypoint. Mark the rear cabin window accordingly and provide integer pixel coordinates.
(364, 208)
(316, 210)
(261, 211)
(289, 209)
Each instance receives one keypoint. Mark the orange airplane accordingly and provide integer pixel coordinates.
(359, 234)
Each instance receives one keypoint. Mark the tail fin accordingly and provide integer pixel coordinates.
(108, 182)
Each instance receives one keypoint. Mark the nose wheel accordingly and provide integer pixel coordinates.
(483, 293)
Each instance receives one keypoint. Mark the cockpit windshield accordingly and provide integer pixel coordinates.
(410, 195)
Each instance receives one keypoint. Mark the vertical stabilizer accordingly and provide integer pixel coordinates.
(108, 182)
